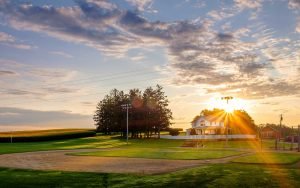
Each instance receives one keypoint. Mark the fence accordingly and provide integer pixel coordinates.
(209, 137)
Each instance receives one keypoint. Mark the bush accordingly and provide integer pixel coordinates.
(174, 131)
(193, 132)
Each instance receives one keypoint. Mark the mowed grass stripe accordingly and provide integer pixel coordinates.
(152, 153)
(221, 175)
(269, 158)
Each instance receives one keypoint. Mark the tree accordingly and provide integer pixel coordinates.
(149, 114)
(108, 116)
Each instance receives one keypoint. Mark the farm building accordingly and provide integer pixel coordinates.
(206, 125)
(270, 132)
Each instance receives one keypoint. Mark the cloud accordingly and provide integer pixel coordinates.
(87, 23)
(20, 46)
(220, 15)
(142, 5)
(19, 92)
(9, 40)
(138, 58)
(251, 4)
(63, 54)
(87, 103)
(4, 37)
(294, 4)
(18, 116)
(7, 73)
(198, 53)
(261, 89)
(36, 82)
(111, 30)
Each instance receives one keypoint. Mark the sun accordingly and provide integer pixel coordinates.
(234, 104)
(228, 109)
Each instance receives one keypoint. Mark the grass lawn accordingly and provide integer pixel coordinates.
(84, 143)
(113, 141)
(269, 158)
(221, 175)
(157, 153)
(79, 143)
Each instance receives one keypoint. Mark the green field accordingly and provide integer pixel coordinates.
(218, 175)
(79, 143)
(157, 153)
(221, 175)
(270, 158)
(115, 141)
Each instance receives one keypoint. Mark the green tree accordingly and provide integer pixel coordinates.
(149, 113)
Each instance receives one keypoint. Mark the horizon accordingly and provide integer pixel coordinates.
(60, 58)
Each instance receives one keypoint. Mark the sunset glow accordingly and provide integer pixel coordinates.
(234, 104)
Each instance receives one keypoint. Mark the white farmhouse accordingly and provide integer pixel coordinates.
(207, 125)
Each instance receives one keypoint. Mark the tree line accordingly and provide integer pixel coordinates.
(149, 113)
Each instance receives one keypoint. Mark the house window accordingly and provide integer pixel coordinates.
(202, 123)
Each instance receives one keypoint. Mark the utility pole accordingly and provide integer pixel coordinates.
(126, 107)
(260, 137)
(11, 136)
(298, 138)
(227, 98)
(281, 132)
(292, 139)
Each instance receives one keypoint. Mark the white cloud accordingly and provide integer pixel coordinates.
(251, 4)
(28, 116)
(9, 40)
(294, 4)
(35, 81)
(60, 53)
(4, 37)
(142, 5)
(298, 26)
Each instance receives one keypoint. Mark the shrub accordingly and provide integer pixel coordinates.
(174, 131)
(193, 132)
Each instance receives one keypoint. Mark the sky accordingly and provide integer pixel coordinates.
(59, 58)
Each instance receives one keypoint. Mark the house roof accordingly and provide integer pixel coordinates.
(208, 127)
(210, 118)
(271, 127)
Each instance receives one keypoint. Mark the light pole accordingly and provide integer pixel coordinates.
(11, 136)
(298, 138)
(227, 98)
(126, 106)
(260, 135)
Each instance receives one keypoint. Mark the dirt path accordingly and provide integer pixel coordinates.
(58, 160)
